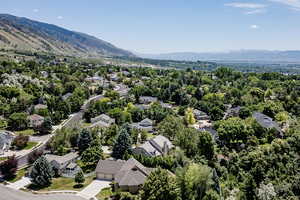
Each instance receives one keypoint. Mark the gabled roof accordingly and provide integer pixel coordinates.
(160, 141)
(62, 160)
(35, 117)
(127, 173)
(265, 121)
(109, 166)
(146, 122)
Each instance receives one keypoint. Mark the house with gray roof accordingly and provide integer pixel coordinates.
(6, 138)
(145, 125)
(40, 106)
(157, 146)
(64, 164)
(102, 120)
(267, 122)
(147, 99)
(200, 115)
(66, 96)
(127, 175)
(232, 112)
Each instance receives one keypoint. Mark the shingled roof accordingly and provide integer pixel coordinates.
(127, 173)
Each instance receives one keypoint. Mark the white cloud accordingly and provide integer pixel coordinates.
(59, 17)
(256, 11)
(36, 10)
(246, 5)
(254, 26)
(293, 4)
(249, 8)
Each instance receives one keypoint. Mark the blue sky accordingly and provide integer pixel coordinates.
(161, 26)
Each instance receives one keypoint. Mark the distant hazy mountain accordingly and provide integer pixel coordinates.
(25, 34)
(242, 55)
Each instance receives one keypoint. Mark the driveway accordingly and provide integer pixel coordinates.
(94, 188)
(20, 183)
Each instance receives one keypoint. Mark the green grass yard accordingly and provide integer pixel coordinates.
(105, 193)
(28, 132)
(62, 183)
(30, 145)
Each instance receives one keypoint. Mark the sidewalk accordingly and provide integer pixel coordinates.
(20, 183)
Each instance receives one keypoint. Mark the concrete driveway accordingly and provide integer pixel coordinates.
(94, 188)
(20, 183)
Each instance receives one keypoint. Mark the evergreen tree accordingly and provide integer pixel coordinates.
(84, 140)
(122, 144)
(93, 154)
(79, 177)
(42, 172)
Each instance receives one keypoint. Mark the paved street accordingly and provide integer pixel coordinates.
(11, 194)
(20, 183)
(94, 188)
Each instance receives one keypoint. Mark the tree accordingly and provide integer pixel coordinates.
(42, 172)
(189, 117)
(33, 156)
(18, 121)
(170, 126)
(84, 140)
(93, 153)
(233, 131)
(79, 178)
(266, 192)
(122, 144)
(9, 167)
(216, 113)
(194, 181)
(206, 145)
(20, 141)
(160, 185)
(45, 127)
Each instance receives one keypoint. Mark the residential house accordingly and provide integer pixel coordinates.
(147, 99)
(267, 122)
(6, 138)
(40, 106)
(64, 164)
(127, 175)
(102, 120)
(145, 125)
(35, 120)
(232, 112)
(66, 96)
(165, 105)
(157, 146)
(200, 115)
(142, 106)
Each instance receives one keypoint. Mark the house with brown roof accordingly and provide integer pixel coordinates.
(35, 120)
(127, 175)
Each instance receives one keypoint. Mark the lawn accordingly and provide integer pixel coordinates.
(25, 132)
(63, 183)
(105, 193)
(3, 158)
(30, 145)
(19, 175)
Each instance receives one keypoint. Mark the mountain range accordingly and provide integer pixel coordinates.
(233, 56)
(19, 33)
